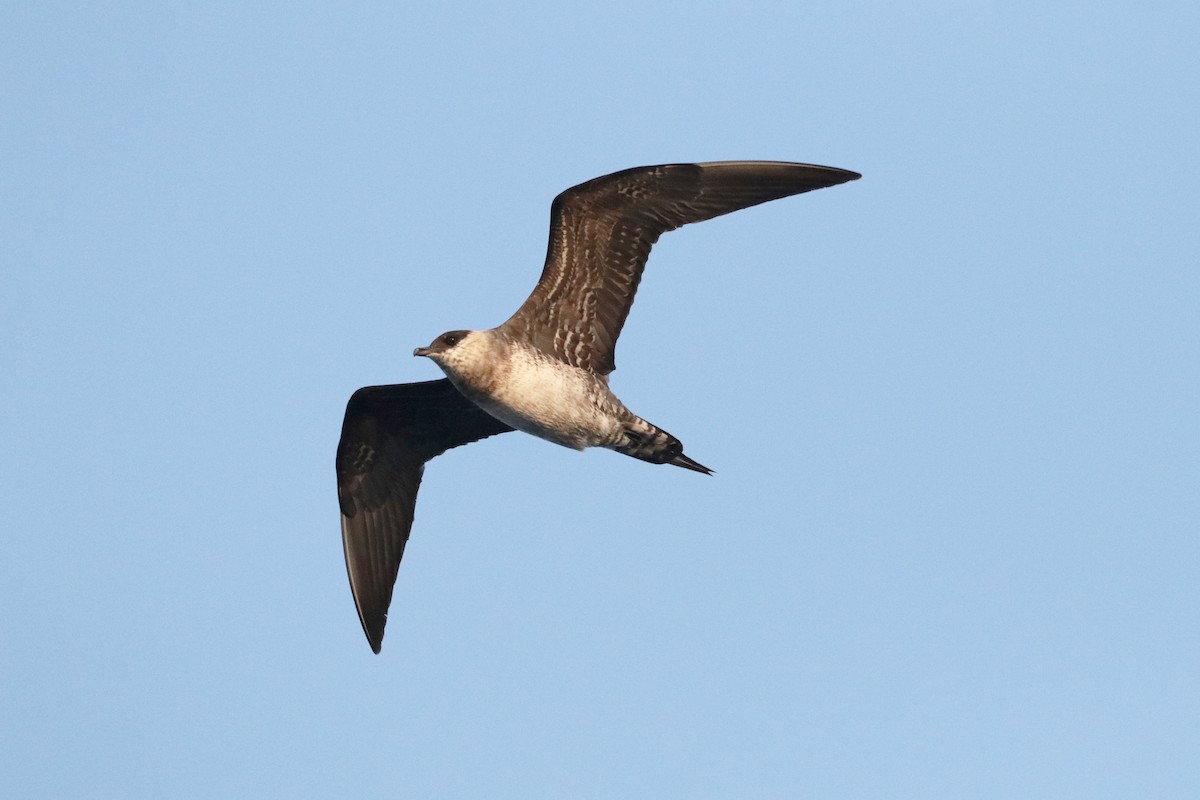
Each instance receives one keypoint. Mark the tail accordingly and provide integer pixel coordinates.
(650, 443)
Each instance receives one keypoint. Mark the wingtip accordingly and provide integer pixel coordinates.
(840, 175)
(375, 635)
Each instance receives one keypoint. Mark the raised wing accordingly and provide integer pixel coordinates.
(388, 434)
(601, 233)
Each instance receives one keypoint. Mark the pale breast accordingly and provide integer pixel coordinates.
(557, 402)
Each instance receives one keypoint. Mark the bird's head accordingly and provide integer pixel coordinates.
(442, 345)
(467, 357)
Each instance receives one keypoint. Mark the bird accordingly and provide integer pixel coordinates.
(545, 370)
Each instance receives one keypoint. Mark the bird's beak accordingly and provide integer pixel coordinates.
(422, 351)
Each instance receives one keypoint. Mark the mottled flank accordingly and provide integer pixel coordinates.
(545, 370)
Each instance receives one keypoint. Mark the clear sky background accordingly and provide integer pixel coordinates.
(951, 549)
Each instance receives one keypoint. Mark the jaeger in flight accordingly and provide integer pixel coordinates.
(545, 370)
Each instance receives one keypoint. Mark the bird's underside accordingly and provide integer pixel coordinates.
(601, 233)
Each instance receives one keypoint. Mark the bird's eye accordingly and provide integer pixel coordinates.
(451, 339)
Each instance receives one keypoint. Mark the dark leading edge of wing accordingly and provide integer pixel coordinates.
(388, 434)
(601, 233)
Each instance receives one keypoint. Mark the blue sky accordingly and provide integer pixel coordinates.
(951, 546)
